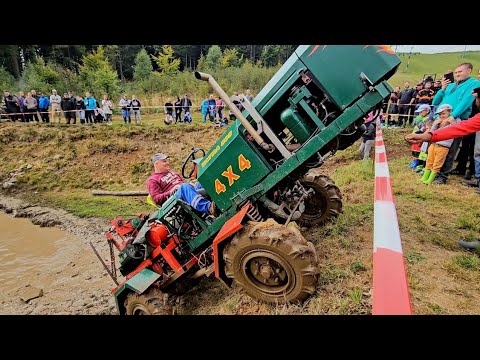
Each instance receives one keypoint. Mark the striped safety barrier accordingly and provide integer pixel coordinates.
(391, 294)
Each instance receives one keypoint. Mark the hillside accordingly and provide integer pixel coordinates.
(421, 64)
(66, 163)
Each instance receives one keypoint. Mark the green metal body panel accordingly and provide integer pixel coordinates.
(283, 78)
(166, 206)
(138, 283)
(232, 165)
(337, 68)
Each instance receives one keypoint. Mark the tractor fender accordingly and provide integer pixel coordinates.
(230, 227)
(138, 283)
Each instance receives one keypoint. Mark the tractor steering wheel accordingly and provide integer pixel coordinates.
(190, 158)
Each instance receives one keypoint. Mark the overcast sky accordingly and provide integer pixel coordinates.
(432, 49)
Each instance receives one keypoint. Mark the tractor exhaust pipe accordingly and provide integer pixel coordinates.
(207, 77)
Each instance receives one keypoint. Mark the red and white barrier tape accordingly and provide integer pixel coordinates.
(391, 294)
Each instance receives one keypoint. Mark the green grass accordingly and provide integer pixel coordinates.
(467, 262)
(357, 266)
(421, 64)
(468, 222)
(356, 296)
(83, 204)
(437, 309)
(413, 257)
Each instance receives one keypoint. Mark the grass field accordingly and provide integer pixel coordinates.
(421, 64)
(67, 162)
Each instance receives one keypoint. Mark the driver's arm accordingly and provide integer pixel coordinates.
(158, 192)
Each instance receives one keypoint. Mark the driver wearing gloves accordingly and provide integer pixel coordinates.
(163, 183)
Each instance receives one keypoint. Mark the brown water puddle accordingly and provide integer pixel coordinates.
(26, 250)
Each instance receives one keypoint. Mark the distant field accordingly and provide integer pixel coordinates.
(421, 64)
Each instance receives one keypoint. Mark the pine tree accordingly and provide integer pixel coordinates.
(143, 66)
(167, 64)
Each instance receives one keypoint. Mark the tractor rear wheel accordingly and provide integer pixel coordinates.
(151, 302)
(272, 262)
(324, 205)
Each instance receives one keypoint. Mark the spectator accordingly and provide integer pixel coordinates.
(43, 103)
(168, 108)
(73, 99)
(437, 85)
(90, 106)
(186, 103)
(178, 110)
(212, 108)
(220, 107)
(237, 103)
(204, 109)
(30, 104)
(68, 108)
(437, 152)
(136, 105)
(425, 96)
(467, 150)
(12, 105)
(419, 125)
(125, 105)
(80, 108)
(21, 98)
(55, 100)
(406, 97)
(34, 111)
(393, 106)
(368, 138)
(459, 96)
(107, 108)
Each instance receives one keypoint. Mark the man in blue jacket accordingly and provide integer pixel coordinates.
(459, 95)
(90, 106)
(43, 104)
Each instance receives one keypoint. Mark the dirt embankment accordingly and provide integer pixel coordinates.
(75, 281)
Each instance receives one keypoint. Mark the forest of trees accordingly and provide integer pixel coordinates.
(143, 69)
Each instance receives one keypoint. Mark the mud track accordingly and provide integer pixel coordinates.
(75, 281)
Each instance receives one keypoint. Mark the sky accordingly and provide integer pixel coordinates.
(432, 49)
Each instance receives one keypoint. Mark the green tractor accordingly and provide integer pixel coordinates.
(262, 176)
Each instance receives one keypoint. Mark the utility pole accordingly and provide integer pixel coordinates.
(409, 55)
(464, 50)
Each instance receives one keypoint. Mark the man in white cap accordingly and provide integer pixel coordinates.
(163, 183)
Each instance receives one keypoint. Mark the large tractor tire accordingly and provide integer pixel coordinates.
(324, 205)
(151, 302)
(272, 262)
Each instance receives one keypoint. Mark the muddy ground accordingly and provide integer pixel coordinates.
(76, 282)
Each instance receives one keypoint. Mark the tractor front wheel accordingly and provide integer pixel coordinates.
(151, 302)
(325, 203)
(272, 262)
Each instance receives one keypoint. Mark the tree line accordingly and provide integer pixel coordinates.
(144, 69)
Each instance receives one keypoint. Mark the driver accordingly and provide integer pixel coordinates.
(163, 183)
